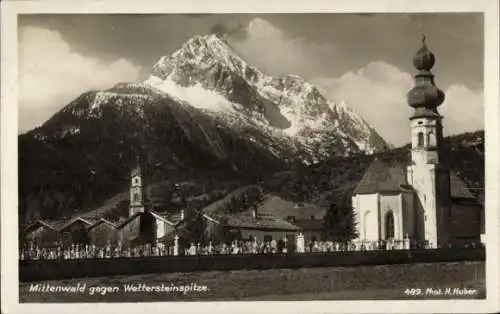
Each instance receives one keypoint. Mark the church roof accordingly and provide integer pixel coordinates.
(459, 188)
(382, 177)
(423, 112)
(425, 94)
(391, 177)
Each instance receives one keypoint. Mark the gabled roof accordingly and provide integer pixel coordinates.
(170, 237)
(128, 220)
(382, 177)
(118, 223)
(170, 218)
(103, 221)
(54, 225)
(88, 222)
(115, 220)
(260, 222)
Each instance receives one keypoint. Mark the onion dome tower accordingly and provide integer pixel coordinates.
(425, 97)
(428, 172)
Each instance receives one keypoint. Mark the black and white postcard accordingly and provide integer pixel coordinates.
(187, 156)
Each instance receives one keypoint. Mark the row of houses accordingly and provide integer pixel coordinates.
(217, 222)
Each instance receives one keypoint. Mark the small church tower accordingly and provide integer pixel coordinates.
(428, 172)
(137, 195)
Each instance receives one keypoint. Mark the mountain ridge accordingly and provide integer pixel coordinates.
(302, 109)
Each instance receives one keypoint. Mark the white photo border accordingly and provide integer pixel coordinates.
(9, 159)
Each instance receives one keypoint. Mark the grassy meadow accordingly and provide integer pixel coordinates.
(384, 282)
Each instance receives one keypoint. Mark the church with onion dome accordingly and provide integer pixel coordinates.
(421, 199)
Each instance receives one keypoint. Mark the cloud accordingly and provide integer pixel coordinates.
(463, 109)
(377, 92)
(236, 32)
(269, 49)
(51, 74)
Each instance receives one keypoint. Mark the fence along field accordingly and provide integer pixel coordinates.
(34, 270)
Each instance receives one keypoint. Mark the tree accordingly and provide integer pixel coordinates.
(198, 229)
(340, 222)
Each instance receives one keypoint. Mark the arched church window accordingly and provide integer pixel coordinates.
(420, 139)
(389, 225)
(136, 197)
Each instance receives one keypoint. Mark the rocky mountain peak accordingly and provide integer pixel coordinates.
(200, 53)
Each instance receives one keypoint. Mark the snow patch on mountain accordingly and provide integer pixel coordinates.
(195, 95)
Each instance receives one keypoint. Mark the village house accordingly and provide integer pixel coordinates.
(257, 226)
(43, 232)
(75, 231)
(309, 218)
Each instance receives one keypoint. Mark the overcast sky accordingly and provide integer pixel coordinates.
(363, 59)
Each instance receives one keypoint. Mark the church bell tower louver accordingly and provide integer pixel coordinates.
(428, 172)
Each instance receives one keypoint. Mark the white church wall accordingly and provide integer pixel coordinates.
(368, 209)
(391, 203)
(425, 185)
